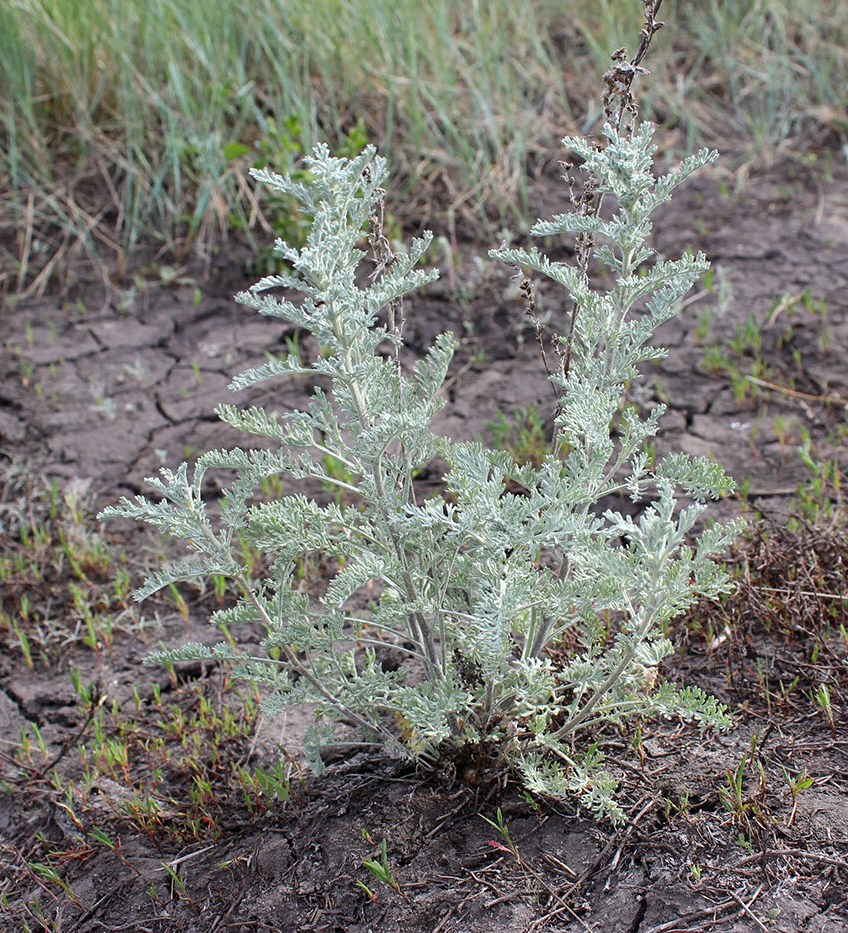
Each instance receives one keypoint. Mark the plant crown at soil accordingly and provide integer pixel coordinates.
(529, 616)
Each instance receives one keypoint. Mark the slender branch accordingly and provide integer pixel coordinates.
(304, 671)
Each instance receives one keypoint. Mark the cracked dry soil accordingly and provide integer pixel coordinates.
(98, 392)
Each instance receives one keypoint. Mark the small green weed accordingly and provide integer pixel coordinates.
(62, 583)
(280, 149)
(796, 784)
(382, 871)
(523, 435)
(499, 824)
(821, 698)
(819, 499)
(746, 807)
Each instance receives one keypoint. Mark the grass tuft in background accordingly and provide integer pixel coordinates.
(122, 121)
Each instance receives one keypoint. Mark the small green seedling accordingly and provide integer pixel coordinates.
(523, 435)
(797, 784)
(382, 871)
(822, 699)
(178, 886)
(745, 808)
(369, 892)
(499, 824)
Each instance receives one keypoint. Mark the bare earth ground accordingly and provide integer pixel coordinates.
(135, 800)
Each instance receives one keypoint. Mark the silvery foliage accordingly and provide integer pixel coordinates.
(474, 585)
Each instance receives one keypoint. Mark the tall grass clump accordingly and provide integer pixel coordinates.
(161, 105)
(127, 119)
(516, 616)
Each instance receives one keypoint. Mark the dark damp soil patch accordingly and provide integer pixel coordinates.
(135, 799)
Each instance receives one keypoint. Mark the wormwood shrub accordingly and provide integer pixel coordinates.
(529, 616)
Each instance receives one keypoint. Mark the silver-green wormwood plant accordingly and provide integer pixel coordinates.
(475, 585)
